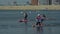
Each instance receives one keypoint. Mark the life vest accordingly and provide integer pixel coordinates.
(38, 17)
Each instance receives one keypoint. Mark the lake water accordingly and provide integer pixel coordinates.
(9, 22)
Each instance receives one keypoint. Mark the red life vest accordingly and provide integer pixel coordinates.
(38, 17)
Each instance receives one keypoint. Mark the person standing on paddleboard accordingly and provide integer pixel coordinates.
(25, 15)
(25, 18)
(38, 18)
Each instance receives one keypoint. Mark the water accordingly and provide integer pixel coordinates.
(9, 22)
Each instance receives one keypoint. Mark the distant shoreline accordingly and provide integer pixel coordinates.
(40, 7)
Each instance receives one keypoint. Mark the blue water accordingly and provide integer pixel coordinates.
(9, 22)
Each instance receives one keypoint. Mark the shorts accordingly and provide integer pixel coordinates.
(38, 23)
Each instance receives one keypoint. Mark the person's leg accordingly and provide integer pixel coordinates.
(42, 20)
(37, 23)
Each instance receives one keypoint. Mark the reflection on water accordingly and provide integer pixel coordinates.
(39, 30)
(3, 26)
(26, 28)
(9, 22)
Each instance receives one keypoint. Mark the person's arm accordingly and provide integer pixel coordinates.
(45, 17)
